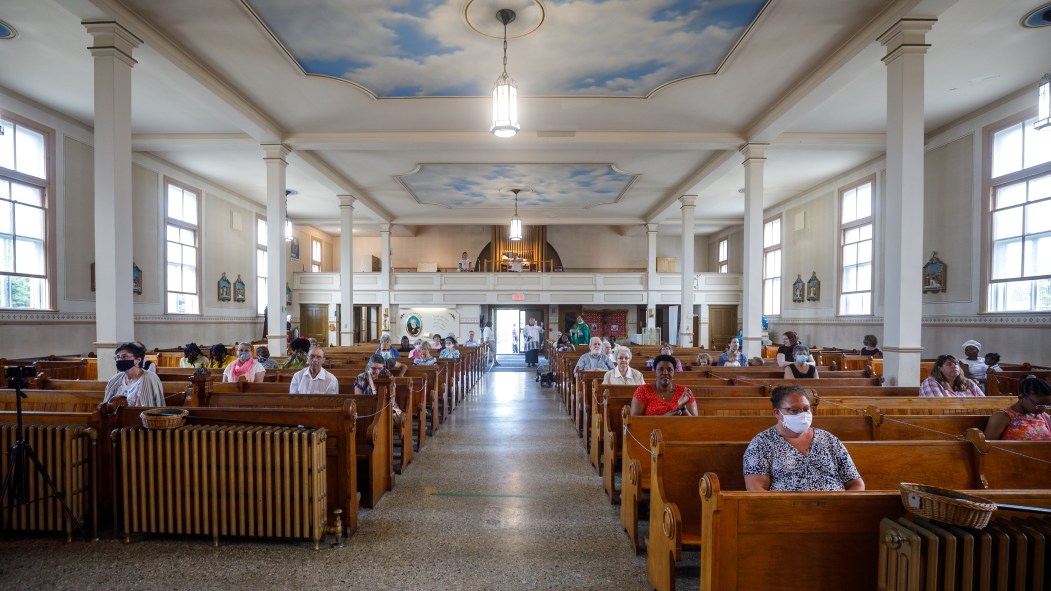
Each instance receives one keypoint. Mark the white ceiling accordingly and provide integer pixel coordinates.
(212, 84)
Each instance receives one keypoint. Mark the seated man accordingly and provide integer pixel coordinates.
(470, 342)
(594, 359)
(313, 379)
(140, 387)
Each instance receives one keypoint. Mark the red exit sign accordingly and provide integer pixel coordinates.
(517, 297)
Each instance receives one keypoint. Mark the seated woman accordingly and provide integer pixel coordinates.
(789, 340)
(219, 357)
(666, 351)
(663, 397)
(450, 351)
(192, 356)
(262, 353)
(800, 367)
(140, 387)
(870, 348)
(793, 456)
(946, 380)
(563, 343)
(244, 366)
(405, 346)
(436, 342)
(703, 360)
(622, 372)
(417, 345)
(733, 357)
(424, 357)
(975, 365)
(377, 367)
(1025, 420)
(297, 355)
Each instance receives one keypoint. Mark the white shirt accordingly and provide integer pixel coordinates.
(465, 265)
(532, 333)
(487, 334)
(304, 383)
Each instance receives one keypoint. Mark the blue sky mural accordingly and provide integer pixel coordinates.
(424, 48)
(553, 185)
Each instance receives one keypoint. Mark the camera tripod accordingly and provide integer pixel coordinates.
(20, 456)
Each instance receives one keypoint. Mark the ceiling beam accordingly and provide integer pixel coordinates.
(711, 171)
(339, 184)
(174, 142)
(398, 140)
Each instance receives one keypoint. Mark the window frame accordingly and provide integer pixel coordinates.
(841, 229)
(779, 246)
(197, 229)
(722, 249)
(315, 264)
(261, 245)
(47, 185)
(989, 187)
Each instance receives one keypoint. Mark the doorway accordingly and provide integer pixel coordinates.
(722, 324)
(313, 322)
(507, 328)
(366, 323)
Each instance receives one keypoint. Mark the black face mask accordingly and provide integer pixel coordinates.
(125, 364)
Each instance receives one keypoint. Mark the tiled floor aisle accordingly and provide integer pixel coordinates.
(501, 498)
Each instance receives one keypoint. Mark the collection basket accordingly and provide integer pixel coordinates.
(946, 506)
(163, 418)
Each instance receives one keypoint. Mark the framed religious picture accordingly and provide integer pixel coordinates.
(413, 325)
(293, 249)
(239, 289)
(813, 288)
(224, 288)
(797, 289)
(934, 273)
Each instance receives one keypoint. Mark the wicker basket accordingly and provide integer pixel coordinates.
(946, 506)
(163, 418)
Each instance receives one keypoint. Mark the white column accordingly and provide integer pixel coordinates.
(112, 47)
(686, 311)
(651, 275)
(752, 271)
(385, 271)
(903, 247)
(275, 156)
(346, 270)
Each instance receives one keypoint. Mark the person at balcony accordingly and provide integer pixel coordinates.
(405, 346)
(1025, 420)
(424, 357)
(793, 456)
(593, 359)
(245, 366)
(470, 342)
(665, 350)
(946, 380)
(465, 263)
(784, 353)
(870, 346)
(140, 387)
(192, 357)
(622, 372)
(580, 333)
(386, 350)
(732, 356)
(313, 379)
(800, 367)
(297, 354)
(533, 333)
(450, 351)
(975, 365)
(219, 357)
(663, 397)
(262, 353)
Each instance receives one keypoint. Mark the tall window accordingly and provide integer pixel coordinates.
(772, 267)
(855, 295)
(261, 263)
(315, 256)
(1020, 182)
(724, 259)
(181, 231)
(24, 193)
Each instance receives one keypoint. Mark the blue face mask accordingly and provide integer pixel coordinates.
(802, 358)
(385, 354)
(244, 356)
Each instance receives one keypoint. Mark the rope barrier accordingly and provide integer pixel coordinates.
(375, 413)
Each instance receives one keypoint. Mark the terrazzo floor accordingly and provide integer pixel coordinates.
(502, 497)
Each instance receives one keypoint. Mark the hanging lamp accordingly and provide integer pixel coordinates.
(505, 93)
(516, 222)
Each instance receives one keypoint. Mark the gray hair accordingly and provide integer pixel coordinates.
(385, 338)
(621, 349)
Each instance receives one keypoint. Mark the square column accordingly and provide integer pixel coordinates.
(903, 248)
(686, 311)
(346, 270)
(275, 156)
(752, 272)
(651, 275)
(112, 47)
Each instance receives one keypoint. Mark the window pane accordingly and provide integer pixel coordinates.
(7, 154)
(1007, 223)
(7, 254)
(30, 155)
(1007, 259)
(1008, 195)
(189, 279)
(850, 255)
(851, 235)
(1037, 144)
(850, 279)
(864, 199)
(189, 207)
(188, 237)
(174, 277)
(261, 263)
(27, 194)
(850, 206)
(1020, 296)
(866, 232)
(865, 251)
(29, 256)
(172, 233)
(1040, 187)
(189, 256)
(260, 232)
(776, 291)
(174, 202)
(29, 221)
(777, 264)
(260, 294)
(1007, 150)
(864, 277)
(1038, 217)
(1037, 255)
(5, 217)
(174, 253)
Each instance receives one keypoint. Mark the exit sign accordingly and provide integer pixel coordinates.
(517, 297)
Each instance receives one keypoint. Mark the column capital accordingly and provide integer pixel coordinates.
(111, 39)
(276, 152)
(384, 228)
(754, 151)
(652, 228)
(907, 36)
(688, 201)
(346, 201)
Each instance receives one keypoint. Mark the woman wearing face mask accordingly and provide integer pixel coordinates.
(450, 351)
(789, 340)
(263, 355)
(800, 367)
(793, 456)
(141, 388)
(1025, 420)
(733, 357)
(386, 350)
(244, 366)
(946, 380)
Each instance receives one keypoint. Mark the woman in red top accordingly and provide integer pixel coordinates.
(664, 397)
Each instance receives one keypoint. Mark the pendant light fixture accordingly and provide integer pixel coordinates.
(505, 93)
(1043, 103)
(516, 222)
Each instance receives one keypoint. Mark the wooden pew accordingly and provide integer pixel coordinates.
(84, 401)
(838, 535)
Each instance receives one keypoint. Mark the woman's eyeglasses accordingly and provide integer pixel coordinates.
(793, 411)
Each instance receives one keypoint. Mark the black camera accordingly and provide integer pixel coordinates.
(19, 372)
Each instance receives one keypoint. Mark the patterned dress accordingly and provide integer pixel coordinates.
(1026, 427)
(826, 466)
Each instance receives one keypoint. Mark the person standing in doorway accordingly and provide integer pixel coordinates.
(532, 333)
(489, 341)
(514, 339)
(580, 333)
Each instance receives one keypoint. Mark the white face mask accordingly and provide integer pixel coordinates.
(385, 354)
(797, 423)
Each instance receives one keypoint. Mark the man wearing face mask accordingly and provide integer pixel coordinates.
(793, 456)
(313, 379)
(141, 388)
